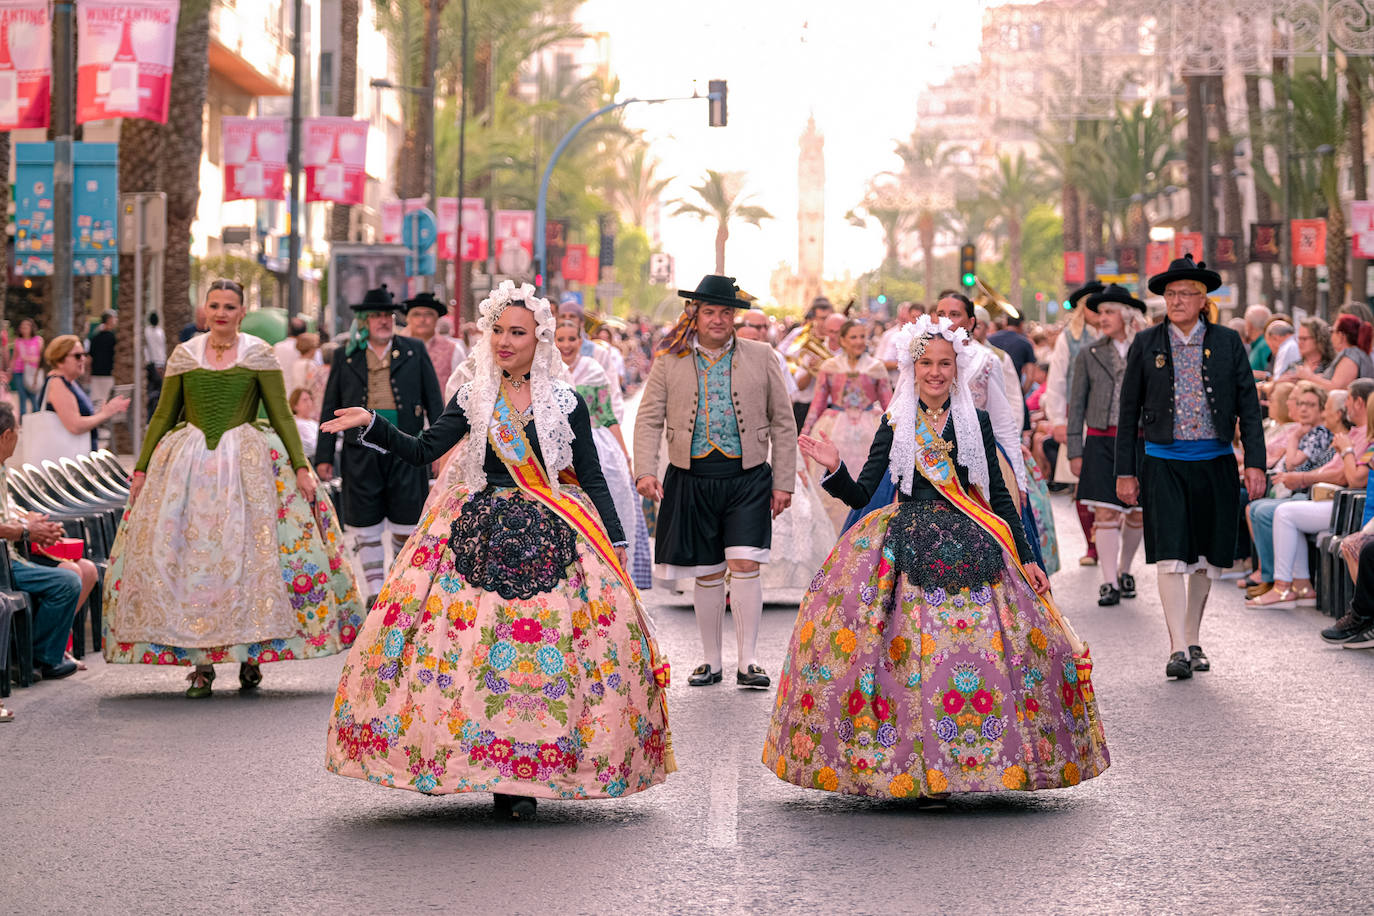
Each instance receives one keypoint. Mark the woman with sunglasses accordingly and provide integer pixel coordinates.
(224, 555)
(66, 359)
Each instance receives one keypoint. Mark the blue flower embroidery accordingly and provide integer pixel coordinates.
(550, 660)
(502, 655)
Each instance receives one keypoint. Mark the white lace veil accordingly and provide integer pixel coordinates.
(552, 399)
(901, 412)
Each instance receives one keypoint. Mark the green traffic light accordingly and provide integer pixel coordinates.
(968, 279)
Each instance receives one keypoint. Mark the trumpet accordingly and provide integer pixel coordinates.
(807, 346)
(988, 298)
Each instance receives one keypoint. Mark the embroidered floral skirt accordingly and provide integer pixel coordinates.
(547, 691)
(1038, 495)
(222, 560)
(895, 689)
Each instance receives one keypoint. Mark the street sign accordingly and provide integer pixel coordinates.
(420, 235)
(143, 217)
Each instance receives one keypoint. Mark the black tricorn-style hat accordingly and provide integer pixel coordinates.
(1184, 269)
(1087, 289)
(426, 300)
(1118, 294)
(377, 300)
(716, 290)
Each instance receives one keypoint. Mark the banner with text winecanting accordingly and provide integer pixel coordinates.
(124, 58)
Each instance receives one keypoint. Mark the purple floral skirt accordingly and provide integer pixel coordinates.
(894, 690)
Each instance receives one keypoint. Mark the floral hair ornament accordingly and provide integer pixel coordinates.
(508, 294)
(918, 334)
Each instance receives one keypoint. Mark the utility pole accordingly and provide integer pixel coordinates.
(431, 55)
(459, 285)
(293, 280)
(63, 129)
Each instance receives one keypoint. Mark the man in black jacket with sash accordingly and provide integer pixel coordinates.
(1187, 383)
(392, 375)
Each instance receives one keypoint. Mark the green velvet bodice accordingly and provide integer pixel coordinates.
(217, 400)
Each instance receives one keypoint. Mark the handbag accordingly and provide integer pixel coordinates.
(30, 379)
(42, 436)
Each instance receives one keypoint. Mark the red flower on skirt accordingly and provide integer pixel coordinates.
(527, 629)
(856, 703)
(880, 708)
(525, 768)
(954, 701)
(982, 701)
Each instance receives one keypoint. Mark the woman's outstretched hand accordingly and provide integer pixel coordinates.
(822, 451)
(1037, 578)
(305, 482)
(347, 418)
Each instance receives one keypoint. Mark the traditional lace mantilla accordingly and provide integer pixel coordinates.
(901, 412)
(552, 399)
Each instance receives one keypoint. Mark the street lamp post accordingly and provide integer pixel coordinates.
(716, 98)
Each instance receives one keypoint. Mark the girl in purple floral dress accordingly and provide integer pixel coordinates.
(927, 658)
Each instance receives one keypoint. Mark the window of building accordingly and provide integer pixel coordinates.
(326, 80)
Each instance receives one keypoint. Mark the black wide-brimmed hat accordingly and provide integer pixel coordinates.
(716, 290)
(1118, 294)
(1184, 269)
(377, 300)
(1086, 289)
(426, 300)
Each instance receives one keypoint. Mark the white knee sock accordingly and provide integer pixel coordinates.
(1198, 587)
(1108, 546)
(746, 604)
(708, 598)
(1173, 595)
(367, 547)
(1131, 536)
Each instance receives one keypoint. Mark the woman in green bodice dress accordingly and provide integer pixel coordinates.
(224, 555)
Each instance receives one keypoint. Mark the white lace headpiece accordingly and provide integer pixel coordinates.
(552, 399)
(901, 412)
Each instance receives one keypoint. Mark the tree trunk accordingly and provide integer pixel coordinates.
(4, 206)
(1196, 155)
(722, 235)
(1092, 237)
(347, 99)
(1264, 204)
(181, 153)
(1014, 257)
(1307, 294)
(1336, 248)
(141, 159)
(1073, 227)
(1355, 77)
(927, 232)
(1230, 189)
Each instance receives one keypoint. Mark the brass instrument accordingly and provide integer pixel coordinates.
(805, 345)
(989, 299)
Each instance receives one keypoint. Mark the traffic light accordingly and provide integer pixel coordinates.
(538, 274)
(968, 265)
(716, 101)
(882, 298)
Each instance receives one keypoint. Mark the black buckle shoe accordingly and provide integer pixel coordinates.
(1107, 595)
(1127, 583)
(753, 677)
(703, 676)
(1179, 666)
(1198, 659)
(250, 676)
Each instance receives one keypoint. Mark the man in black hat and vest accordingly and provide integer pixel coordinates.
(392, 375)
(1079, 332)
(723, 406)
(1187, 384)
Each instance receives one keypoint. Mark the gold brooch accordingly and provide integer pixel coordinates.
(1159, 360)
(1207, 353)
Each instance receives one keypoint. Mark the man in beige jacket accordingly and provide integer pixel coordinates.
(722, 404)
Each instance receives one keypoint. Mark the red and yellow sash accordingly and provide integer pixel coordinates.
(934, 463)
(508, 440)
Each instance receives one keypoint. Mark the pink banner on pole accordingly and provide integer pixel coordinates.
(514, 242)
(1188, 243)
(1156, 258)
(25, 64)
(254, 158)
(1075, 268)
(334, 151)
(1309, 242)
(475, 240)
(124, 58)
(1362, 227)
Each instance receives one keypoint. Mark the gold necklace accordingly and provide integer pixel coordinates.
(221, 349)
(933, 416)
(515, 383)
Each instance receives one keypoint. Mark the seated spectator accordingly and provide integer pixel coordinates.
(1295, 519)
(1355, 630)
(56, 591)
(1350, 339)
(303, 407)
(1306, 447)
(1278, 334)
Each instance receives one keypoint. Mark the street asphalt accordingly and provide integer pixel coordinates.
(1246, 789)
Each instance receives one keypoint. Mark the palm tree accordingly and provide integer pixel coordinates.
(1319, 122)
(638, 187)
(723, 200)
(1015, 188)
(928, 171)
(346, 98)
(1356, 97)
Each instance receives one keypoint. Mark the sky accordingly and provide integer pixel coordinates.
(857, 66)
